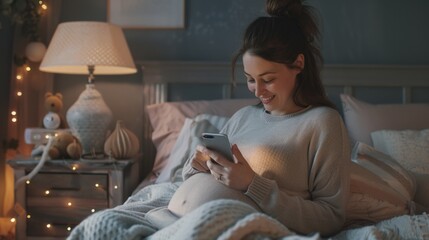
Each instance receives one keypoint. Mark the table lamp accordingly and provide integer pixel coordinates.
(89, 48)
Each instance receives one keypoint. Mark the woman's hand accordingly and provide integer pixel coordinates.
(199, 159)
(236, 175)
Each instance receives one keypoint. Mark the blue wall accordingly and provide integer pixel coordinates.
(354, 32)
(375, 32)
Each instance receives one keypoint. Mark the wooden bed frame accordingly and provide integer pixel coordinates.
(371, 83)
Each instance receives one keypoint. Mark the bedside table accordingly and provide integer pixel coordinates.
(65, 192)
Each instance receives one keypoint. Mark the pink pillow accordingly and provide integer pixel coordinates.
(379, 187)
(362, 118)
(168, 118)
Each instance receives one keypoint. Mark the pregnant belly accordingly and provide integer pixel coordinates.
(202, 188)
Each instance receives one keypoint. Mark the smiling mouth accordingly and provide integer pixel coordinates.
(266, 100)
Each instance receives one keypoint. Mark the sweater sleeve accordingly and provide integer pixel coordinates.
(328, 179)
(188, 170)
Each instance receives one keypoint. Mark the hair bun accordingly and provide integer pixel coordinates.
(283, 8)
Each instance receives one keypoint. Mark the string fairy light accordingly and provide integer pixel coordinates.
(72, 166)
(24, 69)
(21, 73)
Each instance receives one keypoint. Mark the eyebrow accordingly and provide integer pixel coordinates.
(262, 74)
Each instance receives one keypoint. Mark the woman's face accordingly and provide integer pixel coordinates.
(273, 83)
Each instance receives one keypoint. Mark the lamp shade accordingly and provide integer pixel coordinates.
(77, 45)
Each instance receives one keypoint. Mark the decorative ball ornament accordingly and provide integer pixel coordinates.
(122, 143)
(51, 120)
(35, 51)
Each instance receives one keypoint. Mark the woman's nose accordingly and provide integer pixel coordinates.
(259, 89)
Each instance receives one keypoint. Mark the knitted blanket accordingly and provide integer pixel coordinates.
(220, 219)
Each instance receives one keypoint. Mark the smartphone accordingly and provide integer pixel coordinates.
(218, 142)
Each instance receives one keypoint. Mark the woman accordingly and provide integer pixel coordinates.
(291, 151)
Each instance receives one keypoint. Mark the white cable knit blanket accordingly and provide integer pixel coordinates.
(221, 219)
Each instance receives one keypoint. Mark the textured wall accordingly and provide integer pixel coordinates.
(362, 32)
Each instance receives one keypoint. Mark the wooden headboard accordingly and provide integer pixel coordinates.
(157, 76)
(181, 81)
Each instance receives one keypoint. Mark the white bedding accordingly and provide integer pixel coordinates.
(222, 219)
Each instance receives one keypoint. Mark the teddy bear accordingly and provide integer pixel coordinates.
(53, 105)
(65, 146)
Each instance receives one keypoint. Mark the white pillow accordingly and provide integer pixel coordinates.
(408, 147)
(168, 118)
(189, 138)
(362, 118)
(380, 188)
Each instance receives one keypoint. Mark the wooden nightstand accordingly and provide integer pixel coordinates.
(64, 192)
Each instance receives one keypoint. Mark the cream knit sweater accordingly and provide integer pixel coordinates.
(301, 161)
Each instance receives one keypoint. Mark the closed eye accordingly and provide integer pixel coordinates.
(251, 80)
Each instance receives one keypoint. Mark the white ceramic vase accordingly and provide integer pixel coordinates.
(89, 119)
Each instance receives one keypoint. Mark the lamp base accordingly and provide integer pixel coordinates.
(89, 118)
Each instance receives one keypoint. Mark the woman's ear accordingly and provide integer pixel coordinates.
(299, 61)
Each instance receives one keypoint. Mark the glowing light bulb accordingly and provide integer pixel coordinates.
(40, 2)
(19, 93)
(97, 185)
(13, 113)
(19, 77)
(28, 216)
(48, 225)
(27, 182)
(115, 187)
(74, 168)
(14, 119)
(69, 204)
(44, 7)
(92, 210)
(13, 220)
(27, 68)
(69, 229)
(47, 192)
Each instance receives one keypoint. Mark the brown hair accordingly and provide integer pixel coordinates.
(289, 30)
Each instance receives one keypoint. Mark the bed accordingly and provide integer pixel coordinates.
(385, 109)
